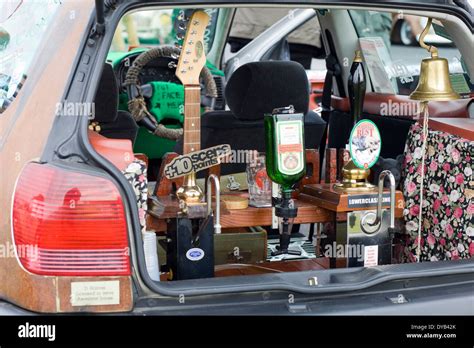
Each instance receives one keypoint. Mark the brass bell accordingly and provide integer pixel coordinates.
(434, 82)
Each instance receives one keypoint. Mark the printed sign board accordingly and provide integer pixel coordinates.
(196, 161)
(365, 144)
(96, 293)
(367, 200)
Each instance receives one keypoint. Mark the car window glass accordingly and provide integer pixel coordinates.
(158, 27)
(22, 27)
(392, 53)
(248, 23)
(303, 44)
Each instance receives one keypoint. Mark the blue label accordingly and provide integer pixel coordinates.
(195, 254)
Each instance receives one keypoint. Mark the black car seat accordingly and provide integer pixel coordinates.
(114, 123)
(252, 91)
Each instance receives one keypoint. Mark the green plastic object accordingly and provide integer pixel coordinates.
(167, 101)
(214, 70)
(166, 106)
(115, 57)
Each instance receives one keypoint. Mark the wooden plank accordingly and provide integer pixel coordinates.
(164, 186)
(154, 224)
(331, 165)
(312, 167)
(251, 216)
(142, 157)
(216, 170)
(307, 213)
(461, 127)
(272, 267)
(342, 159)
(325, 196)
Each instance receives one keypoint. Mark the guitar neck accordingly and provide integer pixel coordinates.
(192, 119)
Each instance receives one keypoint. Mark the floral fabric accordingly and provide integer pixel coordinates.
(136, 174)
(447, 231)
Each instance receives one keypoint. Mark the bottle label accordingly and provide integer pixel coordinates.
(289, 136)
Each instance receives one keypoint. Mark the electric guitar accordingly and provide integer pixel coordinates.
(191, 61)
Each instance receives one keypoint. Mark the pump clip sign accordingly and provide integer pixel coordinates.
(365, 144)
(196, 161)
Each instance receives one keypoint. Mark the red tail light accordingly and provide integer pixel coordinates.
(69, 223)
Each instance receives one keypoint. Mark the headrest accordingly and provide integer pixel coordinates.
(257, 88)
(106, 97)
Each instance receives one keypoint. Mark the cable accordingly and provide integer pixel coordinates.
(244, 265)
(424, 107)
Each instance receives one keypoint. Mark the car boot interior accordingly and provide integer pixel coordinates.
(237, 157)
(242, 238)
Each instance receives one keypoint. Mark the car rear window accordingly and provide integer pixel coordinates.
(22, 28)
(393, 40)
(159, 27)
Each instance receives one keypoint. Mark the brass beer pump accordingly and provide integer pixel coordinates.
(354, 178)
(190, 192)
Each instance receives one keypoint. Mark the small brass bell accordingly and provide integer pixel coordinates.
(434, 82)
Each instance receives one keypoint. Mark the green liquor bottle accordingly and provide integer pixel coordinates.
(285, 152)
(286, 165)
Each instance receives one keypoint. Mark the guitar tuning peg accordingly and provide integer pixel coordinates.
(180, 36)
(172, 65)
(177, 45)
(174, 55)
(182, 26)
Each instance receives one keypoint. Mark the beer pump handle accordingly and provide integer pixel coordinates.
(356, 87)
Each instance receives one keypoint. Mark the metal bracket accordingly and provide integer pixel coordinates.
(214, 178)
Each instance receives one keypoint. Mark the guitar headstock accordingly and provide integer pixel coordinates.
(193, 57)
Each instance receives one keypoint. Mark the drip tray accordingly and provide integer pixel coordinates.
(301, 244)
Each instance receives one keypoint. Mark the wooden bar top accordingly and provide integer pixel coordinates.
(251, 216)
(461, 127)
(238, 269)
(325, 196)
(272, 267)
